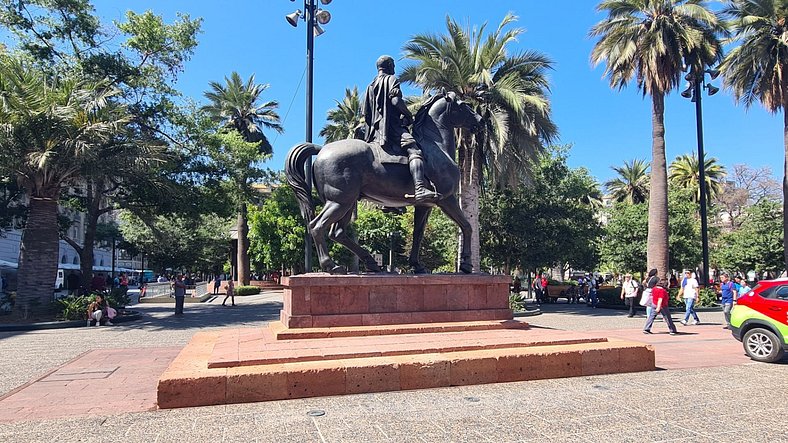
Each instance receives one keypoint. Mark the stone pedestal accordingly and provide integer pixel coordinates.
(322, 300)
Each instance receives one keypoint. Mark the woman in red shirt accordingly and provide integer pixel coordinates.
(659, 297)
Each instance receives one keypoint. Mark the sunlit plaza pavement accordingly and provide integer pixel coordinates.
(709, 391)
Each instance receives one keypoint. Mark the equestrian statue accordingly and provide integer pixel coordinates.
(389, 167)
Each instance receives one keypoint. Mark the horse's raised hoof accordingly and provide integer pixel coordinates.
(338, 270)
(466, 268)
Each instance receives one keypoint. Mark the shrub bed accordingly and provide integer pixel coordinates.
(247, 290)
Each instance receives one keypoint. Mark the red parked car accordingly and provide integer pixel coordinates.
(760, 320)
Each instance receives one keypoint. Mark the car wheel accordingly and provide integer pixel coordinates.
(762, 345)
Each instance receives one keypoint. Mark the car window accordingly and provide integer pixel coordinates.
(766, 293)
(781, 293)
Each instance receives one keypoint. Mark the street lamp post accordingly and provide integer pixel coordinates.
(694, 91)
(311, 15)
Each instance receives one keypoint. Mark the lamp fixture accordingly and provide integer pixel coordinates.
(712, 89)
(322, 16)
(687, 93)
(293, 18)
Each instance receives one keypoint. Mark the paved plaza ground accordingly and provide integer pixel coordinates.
(706, 391)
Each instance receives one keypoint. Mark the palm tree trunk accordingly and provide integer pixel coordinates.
(657, 248)
(470, 187)
(38, 257)
(785, 174)
(243, 246)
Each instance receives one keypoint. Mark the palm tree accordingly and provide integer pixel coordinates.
(344, 120)
(51, 129)
(756, 69)
(515, 106)
(235, 106)
(685, 173)
(631, 185)
(652, 41)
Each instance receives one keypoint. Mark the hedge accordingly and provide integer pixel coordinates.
(247, 290)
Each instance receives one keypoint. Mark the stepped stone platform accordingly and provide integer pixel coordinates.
(357, 334)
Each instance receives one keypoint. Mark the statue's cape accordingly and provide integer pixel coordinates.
(379, 114)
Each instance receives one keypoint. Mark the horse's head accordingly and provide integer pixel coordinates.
(459, 114)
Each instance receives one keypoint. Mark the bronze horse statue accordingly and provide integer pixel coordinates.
(346, 171)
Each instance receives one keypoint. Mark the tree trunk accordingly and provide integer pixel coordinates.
(470, 187)
(93, 198)
(785, 173)
(243, 246)
(657, 247)
(38, 258)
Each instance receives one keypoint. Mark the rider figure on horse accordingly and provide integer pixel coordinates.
(387, 119)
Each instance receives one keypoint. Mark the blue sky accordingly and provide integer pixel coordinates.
(605, 126)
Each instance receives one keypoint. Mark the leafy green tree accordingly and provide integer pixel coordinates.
(757, 245)
(755, 69)
(53, 127)
(138, 59)
(652, 41)
(515, 107)
(549, 222)
(178, 241)
(624, 241)
(345, 120)
(11, 208)
(277, 232)
(685, 173)
(241, 146)
(623, 245)
(631, 185)
(374, 229)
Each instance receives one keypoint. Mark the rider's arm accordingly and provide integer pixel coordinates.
(399, 103)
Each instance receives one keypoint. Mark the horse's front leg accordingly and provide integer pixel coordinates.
(420, 217)
(451, 207)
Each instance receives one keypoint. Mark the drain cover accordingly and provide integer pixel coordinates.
(316, 413)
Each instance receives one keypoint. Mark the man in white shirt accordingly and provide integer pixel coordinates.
(629, 291)
(690, 297)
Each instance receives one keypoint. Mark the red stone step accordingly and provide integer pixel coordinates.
(188, 381)
(255, 346)
(283, 333)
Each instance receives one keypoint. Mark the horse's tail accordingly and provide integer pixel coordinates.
(296, 177)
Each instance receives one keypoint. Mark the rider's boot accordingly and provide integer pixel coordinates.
(422, 194)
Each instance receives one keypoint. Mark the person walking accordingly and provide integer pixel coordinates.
(629, 292)
(728, 293)
(180, 294)
(593, 288)
(217, 283)
(536, 285)
(659, 297)
(690, 294)
(230, 293)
